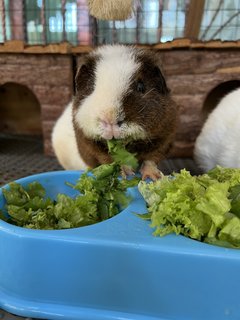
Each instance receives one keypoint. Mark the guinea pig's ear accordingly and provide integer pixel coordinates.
(159, 72)
(84, 80)
(160, 83)
(81, 76)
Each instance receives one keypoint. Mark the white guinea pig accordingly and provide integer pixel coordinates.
(122, 94)
(219, 141)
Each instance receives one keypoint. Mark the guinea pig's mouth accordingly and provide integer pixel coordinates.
(120, 130)
(110, 130)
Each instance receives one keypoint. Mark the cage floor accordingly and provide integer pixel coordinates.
(21, 156)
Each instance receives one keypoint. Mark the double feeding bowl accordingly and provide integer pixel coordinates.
(113, 270)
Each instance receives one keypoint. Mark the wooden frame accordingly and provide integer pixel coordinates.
(194, 18)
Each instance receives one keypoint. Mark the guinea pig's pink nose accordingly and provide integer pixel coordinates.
(110, 130)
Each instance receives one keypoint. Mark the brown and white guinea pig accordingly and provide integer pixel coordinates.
(121, 94)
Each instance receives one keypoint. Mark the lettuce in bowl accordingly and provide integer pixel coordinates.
(204, 207)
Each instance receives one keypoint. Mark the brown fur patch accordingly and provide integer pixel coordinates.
(84, 80)
(153, 109)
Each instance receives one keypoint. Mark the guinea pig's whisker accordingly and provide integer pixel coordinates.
(149, 140)
(148, 92)
(139, 111)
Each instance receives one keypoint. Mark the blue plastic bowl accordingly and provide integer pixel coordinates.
(115, 269)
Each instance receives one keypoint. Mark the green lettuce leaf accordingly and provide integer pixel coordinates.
(102, 194)
(120, 155)
(235, 199)
(231, 175)
(204, 207)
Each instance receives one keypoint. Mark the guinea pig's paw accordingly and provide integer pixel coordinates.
(127, 171)
(150, 170)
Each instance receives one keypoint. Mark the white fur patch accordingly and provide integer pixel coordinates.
(133, 130)
(218, 142)
(64, 142)
(113, 73)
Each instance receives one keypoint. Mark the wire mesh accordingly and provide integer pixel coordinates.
(154, 21)
(221, 20)
(21, 156)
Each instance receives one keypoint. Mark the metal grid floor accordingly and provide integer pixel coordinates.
(21, 156)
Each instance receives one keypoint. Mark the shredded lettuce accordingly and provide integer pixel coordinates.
(102, 194)
(204, 207)
(120, 155)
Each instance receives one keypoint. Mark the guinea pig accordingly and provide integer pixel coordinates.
(219, 140)
(120, 93)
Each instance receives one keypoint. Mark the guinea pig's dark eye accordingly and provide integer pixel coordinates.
(140, 86)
